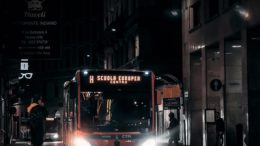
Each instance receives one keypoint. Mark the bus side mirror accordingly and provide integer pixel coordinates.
(73, 90)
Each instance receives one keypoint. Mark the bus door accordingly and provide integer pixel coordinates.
(68, 117)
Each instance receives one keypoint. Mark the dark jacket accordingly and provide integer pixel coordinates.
(36, 123)
(220, 125)
(174, 129)
(38, 115)
(173, 123)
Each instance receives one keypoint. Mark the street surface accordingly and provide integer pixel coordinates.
(27, 143)
(56, 143)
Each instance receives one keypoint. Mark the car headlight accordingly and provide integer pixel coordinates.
(149, 142)
(55, 136)
(81, 142)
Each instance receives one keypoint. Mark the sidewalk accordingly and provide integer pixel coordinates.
(19, 143)
(59, 143)
(27, 143)
(166, 144)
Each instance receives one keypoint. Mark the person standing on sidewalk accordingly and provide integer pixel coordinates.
(38, 114)
(220, 129)
(173, 130)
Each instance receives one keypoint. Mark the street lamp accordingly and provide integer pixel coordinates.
(113, 30)
(88, 56)
(174, 13)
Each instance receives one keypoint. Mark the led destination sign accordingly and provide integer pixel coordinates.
(114, 79)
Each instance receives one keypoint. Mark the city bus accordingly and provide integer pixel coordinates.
(109, 108)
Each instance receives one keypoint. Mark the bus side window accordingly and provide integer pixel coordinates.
(73, 90)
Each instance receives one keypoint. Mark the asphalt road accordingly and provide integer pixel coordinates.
(26, 143)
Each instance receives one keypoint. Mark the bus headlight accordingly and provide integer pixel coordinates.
(149, 142)
(81, 142)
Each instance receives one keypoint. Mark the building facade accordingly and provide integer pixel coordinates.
(78, 30)
(139, 34)
(220, 71)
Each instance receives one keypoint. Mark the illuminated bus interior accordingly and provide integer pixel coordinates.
(115, 111)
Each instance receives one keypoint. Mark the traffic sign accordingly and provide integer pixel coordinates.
(215, 85)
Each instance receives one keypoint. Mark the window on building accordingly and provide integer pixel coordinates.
(121, 55)
(110, 62)
(195, 15)
(137, 47)
(130, 7)
(213, 6)
(105, 63)
(130, 50)
(113, 61)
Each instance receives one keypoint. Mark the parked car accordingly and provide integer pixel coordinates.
(52, 129)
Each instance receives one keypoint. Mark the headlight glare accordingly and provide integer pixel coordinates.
(149, 142)
(81, 142)
(55, 136)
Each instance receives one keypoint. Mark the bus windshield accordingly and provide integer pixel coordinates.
(115, 112)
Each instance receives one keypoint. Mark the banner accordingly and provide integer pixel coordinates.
(34, 29)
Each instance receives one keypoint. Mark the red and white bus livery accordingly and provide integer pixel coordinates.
(109, 108)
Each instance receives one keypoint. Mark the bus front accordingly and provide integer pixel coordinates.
(114, 108)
